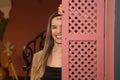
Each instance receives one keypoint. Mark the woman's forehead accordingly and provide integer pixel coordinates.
(57, 18)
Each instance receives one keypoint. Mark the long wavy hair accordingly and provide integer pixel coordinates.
(48, 46)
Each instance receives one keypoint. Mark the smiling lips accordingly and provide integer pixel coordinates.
(59, 36)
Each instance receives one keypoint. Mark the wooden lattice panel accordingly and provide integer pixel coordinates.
(83, 40)
(82, 16)
(82, 60)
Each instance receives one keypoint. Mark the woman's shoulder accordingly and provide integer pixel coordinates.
(38, 55)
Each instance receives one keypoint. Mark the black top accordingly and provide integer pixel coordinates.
(52, 73)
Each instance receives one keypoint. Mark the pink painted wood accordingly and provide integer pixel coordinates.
(83, 40)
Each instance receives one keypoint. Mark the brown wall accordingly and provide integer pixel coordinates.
(27, 19)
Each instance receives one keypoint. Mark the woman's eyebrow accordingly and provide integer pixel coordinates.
(59, 18)
(53, 25)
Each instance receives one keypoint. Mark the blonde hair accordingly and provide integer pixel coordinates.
(48, 46)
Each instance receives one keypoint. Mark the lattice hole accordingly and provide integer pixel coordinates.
(82, 16)
(82, 60)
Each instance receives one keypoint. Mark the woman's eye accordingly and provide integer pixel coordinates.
(54, 27)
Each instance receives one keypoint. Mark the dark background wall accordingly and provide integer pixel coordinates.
(117, 40)
(27, 19)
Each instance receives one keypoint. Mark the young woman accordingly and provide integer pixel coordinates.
(47, 63)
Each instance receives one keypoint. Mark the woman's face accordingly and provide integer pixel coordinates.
(56, 29)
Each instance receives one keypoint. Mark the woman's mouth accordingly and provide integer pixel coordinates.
(59, 36)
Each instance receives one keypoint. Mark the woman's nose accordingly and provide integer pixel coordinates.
(59, 30)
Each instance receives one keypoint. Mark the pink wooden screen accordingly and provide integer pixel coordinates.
(83, 40)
